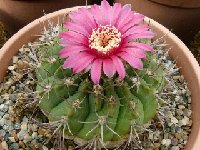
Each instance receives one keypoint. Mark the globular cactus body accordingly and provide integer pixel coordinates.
(106, 111)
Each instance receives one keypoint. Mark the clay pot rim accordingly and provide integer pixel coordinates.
(194, 137)
(181, 4)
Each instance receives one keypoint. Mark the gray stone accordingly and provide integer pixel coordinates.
(12, 97)
(174, 141)
(1, 114)
(27, 138)
(6, 116)
(2, 122)
(7, 103)
(11, 128)
(21, 134)
(1, 100)
(2, 133)
(6, 127)
(25, 119)
(175, 148)
(34, 135)
(14, 146)
(6, 136)
(17, 126)
(3, 108)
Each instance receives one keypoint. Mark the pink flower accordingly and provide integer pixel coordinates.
(100, 38)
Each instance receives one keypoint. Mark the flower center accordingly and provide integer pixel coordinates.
(105, 38)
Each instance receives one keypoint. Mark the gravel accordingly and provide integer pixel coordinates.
(195, 47)
(4, 36)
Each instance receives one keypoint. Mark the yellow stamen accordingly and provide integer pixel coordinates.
(105, 38)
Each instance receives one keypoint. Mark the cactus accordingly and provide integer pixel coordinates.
(93, 106)
(107, 110)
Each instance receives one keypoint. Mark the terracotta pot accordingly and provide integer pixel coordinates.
(17, 13)
(185, 60)
(184, 22)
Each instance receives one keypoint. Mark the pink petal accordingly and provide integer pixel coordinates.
(66, 43)
(143, 46)
(76, 28)
(134, 62)
(119, 66)
(87, 15)
(108, 67)
(135, 20)
(74, 37)
(88, 67)
(115, 13)
(96, 71)
(79, 19)
(83, 63)
(68, 51)
(95, 9)
(146, 34)
(105, 9)
(127, 20)
(124, 14)
(135, 52)
(136, 30)
(71, 61)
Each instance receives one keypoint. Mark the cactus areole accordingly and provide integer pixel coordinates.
(101, 80)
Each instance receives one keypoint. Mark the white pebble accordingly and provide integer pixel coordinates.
(184, 121)
(21, 49)
(25, 119)
(169, 114)
(12, 139)
(175, 148)
(174, 120)
(151, 136)
(15, 59)
(181, 106)
(24, 126)
(163, 142)
(34, 135)
(169, 141)
(11, 68)
(6, 96)
(45, 148)
(34, 127)
(166, 142)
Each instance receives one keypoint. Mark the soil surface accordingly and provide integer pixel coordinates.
(4, 36)
(195, 47)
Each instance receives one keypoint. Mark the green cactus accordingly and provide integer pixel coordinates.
(106, 111)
